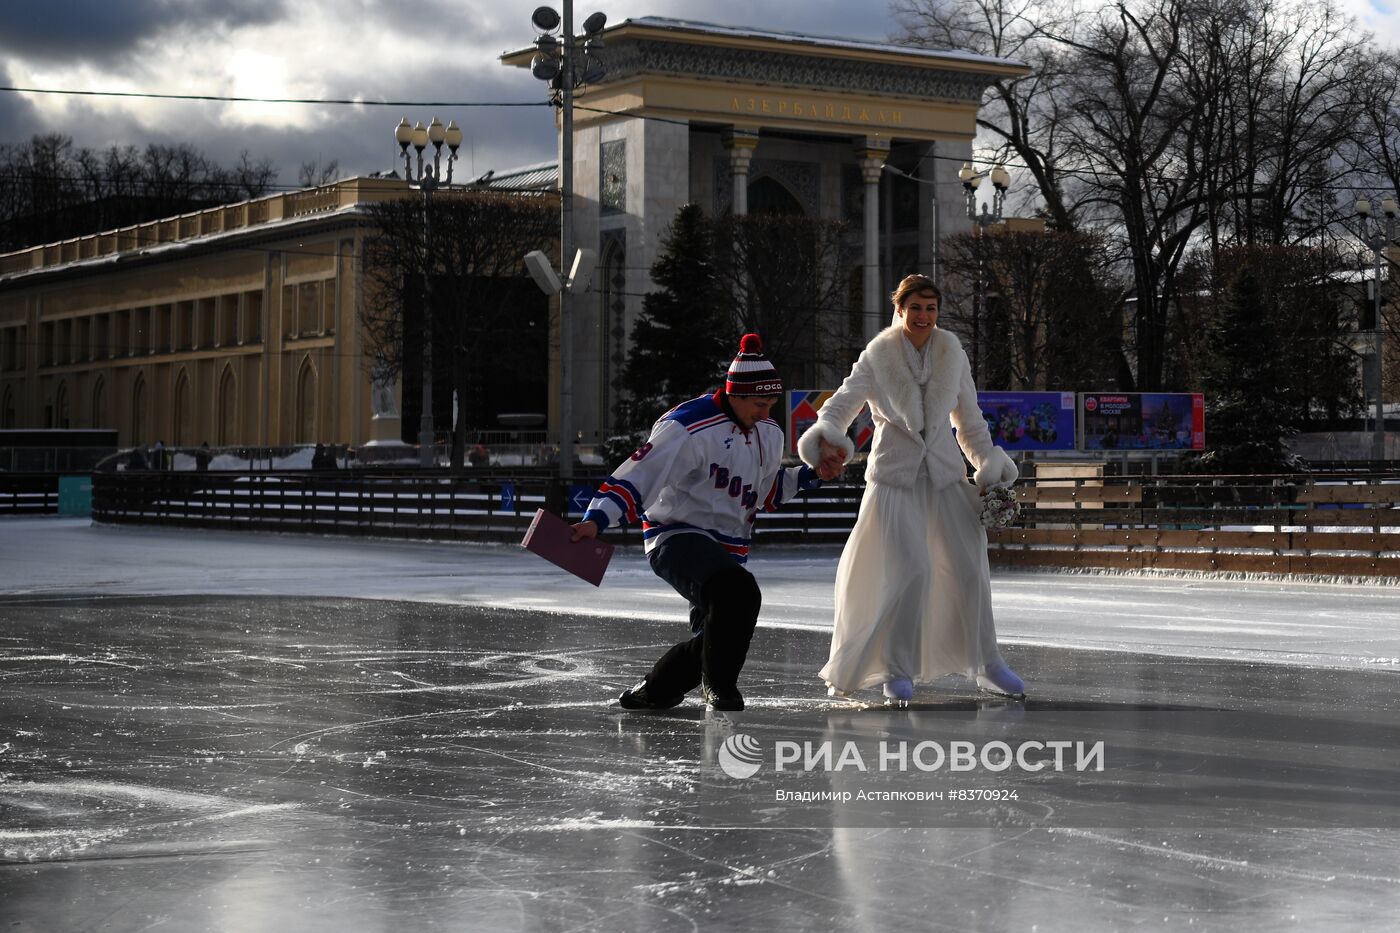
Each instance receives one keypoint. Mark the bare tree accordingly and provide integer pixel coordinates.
(783, 278)
(1164, 122)
(1293, 98)
(315, 173)
(473, 256)
(1023, 116)
(51, 190)
(1137, 128)
(1052, 320)
(249, 178)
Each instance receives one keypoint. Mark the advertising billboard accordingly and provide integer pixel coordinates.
(1029, 420)
(803, 405)
(1142, 421)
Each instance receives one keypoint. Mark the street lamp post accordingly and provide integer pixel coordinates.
(971, 178)
(557, 62)
(1379, 234)
(426, 179)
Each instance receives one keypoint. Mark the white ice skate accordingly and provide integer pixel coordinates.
(898, 692)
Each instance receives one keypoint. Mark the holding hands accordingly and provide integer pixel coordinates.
(832, 463)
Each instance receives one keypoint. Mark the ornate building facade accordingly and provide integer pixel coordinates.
(738, 120)
(239, 325)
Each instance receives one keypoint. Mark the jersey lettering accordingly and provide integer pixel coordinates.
(734, 485)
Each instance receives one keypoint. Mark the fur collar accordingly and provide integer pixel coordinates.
(897, 383)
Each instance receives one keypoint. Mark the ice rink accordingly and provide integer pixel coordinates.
(205, 731)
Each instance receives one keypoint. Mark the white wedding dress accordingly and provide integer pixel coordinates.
(913, 589)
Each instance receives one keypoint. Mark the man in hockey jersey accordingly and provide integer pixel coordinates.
(709, 465)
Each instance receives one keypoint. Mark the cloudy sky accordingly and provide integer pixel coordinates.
(420, 50)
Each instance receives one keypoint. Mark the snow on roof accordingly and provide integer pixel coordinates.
(800, 39)
(539, 175)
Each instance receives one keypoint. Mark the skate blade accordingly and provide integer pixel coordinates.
(985, 685)
(723, 717)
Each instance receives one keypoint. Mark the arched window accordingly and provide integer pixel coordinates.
(60, 407)
(184, 411)
(228, 409)
(767, 195)
(306, 404)
(140, 423)
(99, 404)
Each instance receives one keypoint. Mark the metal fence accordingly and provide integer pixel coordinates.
(28, 493)
(1335, 526)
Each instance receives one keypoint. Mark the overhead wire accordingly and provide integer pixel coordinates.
(368, 102)
(233, 99)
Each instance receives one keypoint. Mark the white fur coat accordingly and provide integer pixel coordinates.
(882, 378)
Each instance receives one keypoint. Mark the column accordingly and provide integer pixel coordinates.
(872, 162)
(740, 142)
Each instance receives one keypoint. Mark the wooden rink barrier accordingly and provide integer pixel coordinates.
(1288, 525)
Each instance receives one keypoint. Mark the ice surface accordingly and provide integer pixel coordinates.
(1316, 624)
(213, 731)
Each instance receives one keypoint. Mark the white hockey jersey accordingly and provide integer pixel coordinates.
(700, 472)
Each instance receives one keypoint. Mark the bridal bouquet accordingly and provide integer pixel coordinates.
(999, 507)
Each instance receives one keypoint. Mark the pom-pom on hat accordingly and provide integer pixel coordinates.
(751, 373)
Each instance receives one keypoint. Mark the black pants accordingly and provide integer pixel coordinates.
(724, 603)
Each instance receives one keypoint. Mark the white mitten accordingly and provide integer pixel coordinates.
(998, 469)
(809, 444)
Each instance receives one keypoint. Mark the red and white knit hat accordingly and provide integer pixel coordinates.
(751, 373)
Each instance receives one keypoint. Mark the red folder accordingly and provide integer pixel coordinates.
(548, 536)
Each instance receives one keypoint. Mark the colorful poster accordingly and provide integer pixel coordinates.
(1142, 421)
(1029, 420)
(803, 405)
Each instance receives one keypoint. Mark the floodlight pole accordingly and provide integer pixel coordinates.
(563, 76)
(566, 221)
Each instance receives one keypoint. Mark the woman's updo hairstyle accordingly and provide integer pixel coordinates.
(913, 284)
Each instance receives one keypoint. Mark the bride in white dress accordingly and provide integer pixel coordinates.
(913, 589)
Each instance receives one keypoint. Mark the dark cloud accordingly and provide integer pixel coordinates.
(18, 119)
(105, 31)
(360, 139)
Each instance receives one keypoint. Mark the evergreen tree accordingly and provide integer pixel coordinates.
(1246, 383)
(683, 339)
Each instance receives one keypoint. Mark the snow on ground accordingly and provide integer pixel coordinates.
(1316, 624)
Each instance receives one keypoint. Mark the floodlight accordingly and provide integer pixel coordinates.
(582, 272)
(542, 271)
(545, 19)
(544, 67)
